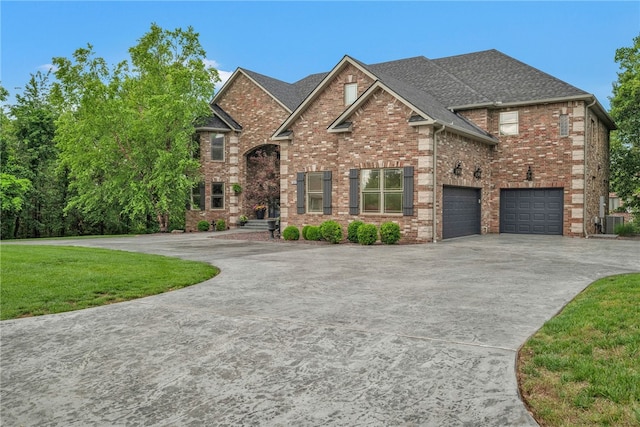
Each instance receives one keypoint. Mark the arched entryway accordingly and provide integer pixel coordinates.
(262, 180)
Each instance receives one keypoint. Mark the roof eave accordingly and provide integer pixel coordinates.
(318, 89)
(602, 113)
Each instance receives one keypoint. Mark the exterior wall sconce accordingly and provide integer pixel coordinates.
(477, 174)
(457, 170)
(529, 174)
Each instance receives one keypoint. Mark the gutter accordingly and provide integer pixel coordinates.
(584, 190)
(435, 192)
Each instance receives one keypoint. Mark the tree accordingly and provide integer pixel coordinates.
(625, 110)
(263, 188)
(125, 134)
(36, 158)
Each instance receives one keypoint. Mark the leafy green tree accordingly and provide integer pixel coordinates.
(625, 110)
(125, 134)
(35, 158)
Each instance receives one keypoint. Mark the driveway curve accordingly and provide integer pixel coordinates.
(300, 334)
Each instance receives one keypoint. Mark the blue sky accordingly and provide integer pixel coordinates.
(574, 41)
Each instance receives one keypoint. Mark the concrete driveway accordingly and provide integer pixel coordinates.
(299, 334)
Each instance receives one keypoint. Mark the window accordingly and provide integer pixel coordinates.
(217, 147)
(564, 125)
(217, 195)
(382, 190)
(509, 123)
(350, 93)
(614, 203)
(314, 192)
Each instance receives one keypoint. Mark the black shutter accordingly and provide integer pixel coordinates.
(201, 194)
(407, 196)
(354, 192)
(326, 192)
(300, 191)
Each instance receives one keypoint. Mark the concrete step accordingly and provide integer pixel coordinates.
(257, 224)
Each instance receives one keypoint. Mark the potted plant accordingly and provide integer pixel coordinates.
(260, 209)
(242, 220)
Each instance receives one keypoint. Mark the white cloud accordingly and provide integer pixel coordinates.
(224, 75)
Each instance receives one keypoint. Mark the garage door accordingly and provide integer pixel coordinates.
(460, 212)
(531, 211)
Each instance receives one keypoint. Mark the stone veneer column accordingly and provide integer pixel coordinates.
(577, 172)
(424, 184)
(234, 200)
(284, 183)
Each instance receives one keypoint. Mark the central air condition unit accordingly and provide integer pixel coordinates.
(611, 222)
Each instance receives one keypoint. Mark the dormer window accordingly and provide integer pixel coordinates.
(350, 93)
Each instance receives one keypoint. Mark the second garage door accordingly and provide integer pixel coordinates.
(531, 211)
(460, 212)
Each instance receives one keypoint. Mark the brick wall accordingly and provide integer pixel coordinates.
(259, 115)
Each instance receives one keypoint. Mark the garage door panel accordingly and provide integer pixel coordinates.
(531, 211)
(461, 212)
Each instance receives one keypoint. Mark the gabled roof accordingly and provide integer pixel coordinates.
(288, 95)
(496, 77)
(434, 89)
(422, 102)
(219, 121)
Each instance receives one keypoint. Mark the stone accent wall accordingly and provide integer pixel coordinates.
(259, 115)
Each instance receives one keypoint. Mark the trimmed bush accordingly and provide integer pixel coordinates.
(389, 233)
(304, 232)
(203, 225)
(313, 233)
(352, 231)
(367, 234)
(221, 225)
(331, 231)
(291, 232)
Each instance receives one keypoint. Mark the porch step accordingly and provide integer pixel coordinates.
(257, 224)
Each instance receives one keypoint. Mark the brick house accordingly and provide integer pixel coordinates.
(470, 144)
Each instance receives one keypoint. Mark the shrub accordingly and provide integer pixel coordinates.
(367, 234)
(304, 232)
(352, 231)
(331, 231)
(389, 233)
(313, 233)
(221, 225)
(203, 225)
(626, 229)
(291, 232)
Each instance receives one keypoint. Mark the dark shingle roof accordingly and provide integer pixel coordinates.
(500, 78)
(220, 119)
(438, 86)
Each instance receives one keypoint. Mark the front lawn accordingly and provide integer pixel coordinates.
(40, 280)
(583, 367)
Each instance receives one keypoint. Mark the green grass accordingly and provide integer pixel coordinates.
(583, 367)
(40, 280)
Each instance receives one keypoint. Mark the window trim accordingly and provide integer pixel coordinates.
(217, 196)
(350, 93)
(503, 122)
(308, 192)
(563, 125)
(214, 137)
(382, 192)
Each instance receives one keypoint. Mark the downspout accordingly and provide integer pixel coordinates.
(435, 190)
(585, 220)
